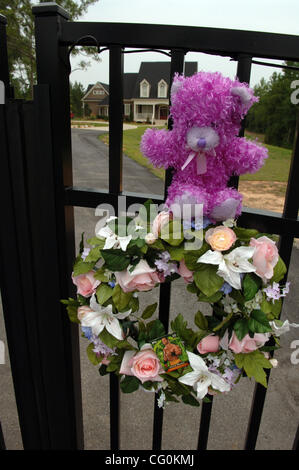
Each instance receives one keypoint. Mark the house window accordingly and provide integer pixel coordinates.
(162, 89)
(98, 92)
(127, 109)
(144, 89)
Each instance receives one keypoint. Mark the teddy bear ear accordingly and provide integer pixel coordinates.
(243, 93)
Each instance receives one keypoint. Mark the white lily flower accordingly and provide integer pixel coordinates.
(113, 240)
(281, 329)
(232, 264)
(102, 317)
(201, 378)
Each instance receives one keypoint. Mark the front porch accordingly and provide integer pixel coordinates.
(151, 112)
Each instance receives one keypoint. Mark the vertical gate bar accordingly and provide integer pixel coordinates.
(62, 363)
(2, 441)
(176, 66)
(243, 74)
(14, 301)
(285, 246)
(4, 70)
(116, 66)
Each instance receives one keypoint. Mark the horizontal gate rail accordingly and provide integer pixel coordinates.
(226, 42)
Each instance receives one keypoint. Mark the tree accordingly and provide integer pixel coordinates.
(21, 43)
(275, 115)
(76, 94)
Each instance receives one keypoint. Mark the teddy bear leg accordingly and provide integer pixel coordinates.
(186, 200)
(227, 205)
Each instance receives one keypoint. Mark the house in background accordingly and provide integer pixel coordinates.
(145, 93)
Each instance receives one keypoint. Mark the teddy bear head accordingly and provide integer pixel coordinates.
(207, 108)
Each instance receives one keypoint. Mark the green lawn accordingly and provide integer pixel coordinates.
(276, 167)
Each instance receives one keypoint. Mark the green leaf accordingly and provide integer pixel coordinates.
(223, 322)
(241, 328)
(191, 257)
(129, 384)
(172, 233)
(245, 234)
(96, 241)
(94, 359)
(212, 299)
(179, 326)
(276, 308)
(190, 400)
(155, 329)
(94, 255)
(207, 280)
(279, 271)
(101, 276)
(115, 260)
(158, 245)
(72, 309)
(258, 322)
(149, 311)
(251, 285)
(176, 252)
(104, 292)
(133, 305)
(170, 397)
(113, 342)
(82, 267)
(120, 298)
(254, 364)
(201, 321)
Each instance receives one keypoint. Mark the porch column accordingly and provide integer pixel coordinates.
(153, 115)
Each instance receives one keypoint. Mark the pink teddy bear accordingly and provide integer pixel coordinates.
(203, 147)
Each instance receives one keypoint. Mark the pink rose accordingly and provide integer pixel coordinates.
(265, 256)
(142, 278)
(86, 283)
(183, 271)
(160, 220)
(220, 238)
(247, 344)
(144, 364)
(82, 311)
(208, 344)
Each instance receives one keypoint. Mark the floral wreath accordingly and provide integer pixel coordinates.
(236, 270)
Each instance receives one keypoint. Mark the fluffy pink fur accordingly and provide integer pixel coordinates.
(206, 100)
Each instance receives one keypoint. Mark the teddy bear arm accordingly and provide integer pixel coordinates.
(245, 156)
(157, 146)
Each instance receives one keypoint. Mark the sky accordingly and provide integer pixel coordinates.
(276, 16)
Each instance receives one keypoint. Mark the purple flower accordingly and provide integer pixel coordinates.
(226, 288)
(87, 331)
(164, 266)
(111, 284)
(85, 253)
(101, 348)
(273, 292)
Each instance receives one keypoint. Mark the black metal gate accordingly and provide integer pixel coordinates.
(38, 242)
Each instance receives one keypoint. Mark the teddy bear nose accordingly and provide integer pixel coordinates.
(201, 143)
(205, 138)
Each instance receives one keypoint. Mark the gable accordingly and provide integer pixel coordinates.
(96, 92)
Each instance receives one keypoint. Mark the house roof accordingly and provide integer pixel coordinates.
(90, 86)
(153, 72)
